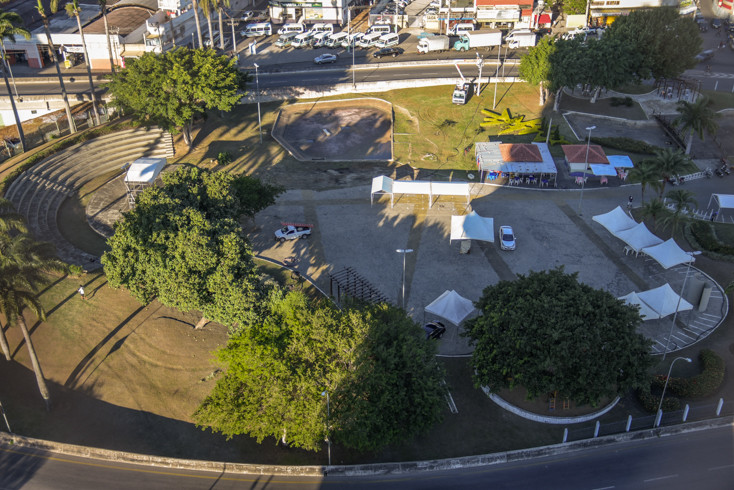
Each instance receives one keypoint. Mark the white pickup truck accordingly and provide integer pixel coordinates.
(292, 231)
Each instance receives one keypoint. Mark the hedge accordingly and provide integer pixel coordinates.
(650, 402)
(705, 384)
(627, 144)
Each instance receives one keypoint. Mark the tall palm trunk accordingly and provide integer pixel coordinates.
(198, 23)
(689, 142)
(18, 124)
(4, 344)
(72, 126)
(40, 380)
(89, 71)
(208, 15)
(107, 34)
(221, 29)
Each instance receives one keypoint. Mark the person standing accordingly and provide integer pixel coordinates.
(713, 216)
(629, 202)
(81, 292)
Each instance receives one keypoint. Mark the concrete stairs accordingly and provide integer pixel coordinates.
(39, 192)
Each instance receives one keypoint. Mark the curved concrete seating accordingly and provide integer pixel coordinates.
(39, 192)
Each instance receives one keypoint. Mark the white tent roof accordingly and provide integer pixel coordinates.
(669, 254)
(602, 169)
(489, 158)
(723, 200)
(382, 184)
(638, 237)
(451, 306)
(472, 227)
(145, 170)
(663, 301)
(646, 312)
(615, 220)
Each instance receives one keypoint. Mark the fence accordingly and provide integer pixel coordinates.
(690, 413)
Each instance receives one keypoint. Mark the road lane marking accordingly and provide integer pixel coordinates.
(603, 488)
(660, 478)
(715, 468)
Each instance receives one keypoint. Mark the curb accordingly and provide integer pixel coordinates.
(366, 469)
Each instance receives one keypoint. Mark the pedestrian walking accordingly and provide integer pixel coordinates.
(81, 292)
(629, 203)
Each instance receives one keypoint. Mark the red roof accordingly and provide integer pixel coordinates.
(577, 154)
(490, 3)
(520, 152)
(526, 12)
(544, 19)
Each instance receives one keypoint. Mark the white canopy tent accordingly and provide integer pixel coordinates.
(386, 185)
(603, 169)
(472, 227)
(638, 237)
(451, 306)
(662, 301)
(669, 254)
(489, 159)
(142, 174)
(615, 220)
(723, 201)
(646, 312)
(620, 161)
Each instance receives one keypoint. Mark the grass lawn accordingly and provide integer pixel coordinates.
(721, 100)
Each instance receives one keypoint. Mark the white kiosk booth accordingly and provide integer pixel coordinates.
(141, 174)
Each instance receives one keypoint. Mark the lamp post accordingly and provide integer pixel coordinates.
(404, 251)
(259, 121)
(328, 439)
(480, 65)
(683, 289)
(687, 359)
(586, 164)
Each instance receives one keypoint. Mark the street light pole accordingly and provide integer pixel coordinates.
(586, 164)
(328, 439)
(657, 414)
(259, 121)
(675, 315)
(404, 251)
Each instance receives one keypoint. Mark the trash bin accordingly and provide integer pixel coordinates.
(465, 247)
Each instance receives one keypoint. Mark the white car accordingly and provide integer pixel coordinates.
(247, 16)
(292, 232)
(325, 58)
(507, 238)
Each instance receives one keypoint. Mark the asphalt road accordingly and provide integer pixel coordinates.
(702, 459)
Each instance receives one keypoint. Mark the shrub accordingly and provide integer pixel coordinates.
(224, 158)
(76, 270)
(619, 101)
(703, 385)
(626, 144)
(703, 233)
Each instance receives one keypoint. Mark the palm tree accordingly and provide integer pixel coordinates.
(683, 201)
(10, 26)
(206, 6)
(669, 164)
(221, 4)
(696, 117)
(198, 23)
(42, 12)
(15, 296)
(103, 8)
(23, 264)
(653, 210)
(10, 222)
(73, 10)
(645, 174)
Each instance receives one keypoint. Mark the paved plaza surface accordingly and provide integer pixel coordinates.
(349, 232)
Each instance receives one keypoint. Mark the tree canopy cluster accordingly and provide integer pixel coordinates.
(547, 332)
(183, 244)
(373, 361)
(656, 42)
(171, 88)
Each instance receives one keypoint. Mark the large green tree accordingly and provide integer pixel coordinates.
(535, 66)
(697, 118)
(548, 332)
(666, 42)
(182, 243)
(373, 362)
(171, 88)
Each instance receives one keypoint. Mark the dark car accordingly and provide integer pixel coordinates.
(716, 23)
(392, 51)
